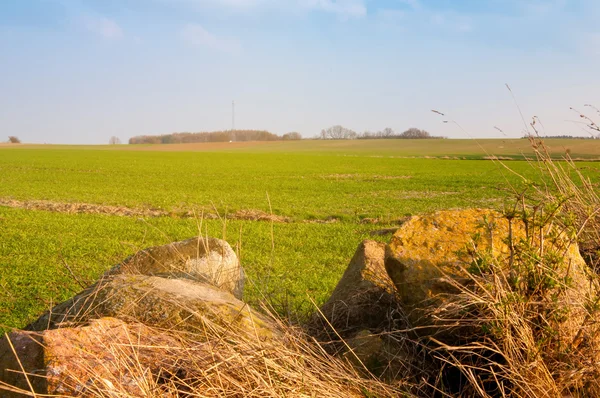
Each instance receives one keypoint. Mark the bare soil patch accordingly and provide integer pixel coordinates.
(90, 208)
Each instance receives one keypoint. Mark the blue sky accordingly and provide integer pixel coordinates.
(81, 71)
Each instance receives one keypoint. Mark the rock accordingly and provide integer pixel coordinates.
(179, 304)
(430, 254)
(201, 259)
(365, 293)
(105, 355)
(27, 347)
(366, 313)
(427, 249)
(366, 350)
(387, 356)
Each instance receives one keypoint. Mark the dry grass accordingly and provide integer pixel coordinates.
(518, 327)
(521, 327)
(216, 363)
(118, 359)
(565, 185)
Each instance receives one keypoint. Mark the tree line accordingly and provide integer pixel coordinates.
(338, 132)
(214, 136)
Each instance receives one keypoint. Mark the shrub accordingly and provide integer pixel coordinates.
(13, 139)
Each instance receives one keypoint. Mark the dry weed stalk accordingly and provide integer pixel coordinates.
(510, 321)
(214, 360)
(565, 184)
(226, 363)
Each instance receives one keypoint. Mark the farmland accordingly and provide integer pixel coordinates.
(332, 194)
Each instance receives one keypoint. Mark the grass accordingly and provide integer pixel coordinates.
(462, 148)
(41, 252)
(527, 323)
(300, 185)
(515, 346)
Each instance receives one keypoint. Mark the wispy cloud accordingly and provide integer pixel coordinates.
(412, 15)
(104, 27)
(390, 15)
(414, 4)
(343, 8)
(196, 35)
(541, 7)
(452, 21)
(238, 5)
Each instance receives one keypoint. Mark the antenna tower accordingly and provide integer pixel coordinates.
(232, 115)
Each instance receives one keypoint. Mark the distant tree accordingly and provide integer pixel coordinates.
(13, 139)
(213, 136)
(387, 132)
(415, 133)
(114, 140)
(291, 136)
(338, 132)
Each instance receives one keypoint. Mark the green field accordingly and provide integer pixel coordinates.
(356, 186)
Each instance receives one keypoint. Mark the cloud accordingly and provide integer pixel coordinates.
(236, 5)
(105, 27)
(390, 15)
(414, 4)
(452, 21)
(541, 7)
(196, 35)
(414, 16)
(343, 8)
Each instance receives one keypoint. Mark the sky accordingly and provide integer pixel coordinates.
(82, 71)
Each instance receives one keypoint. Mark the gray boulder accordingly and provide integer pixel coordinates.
(207, 260)
(174, 304)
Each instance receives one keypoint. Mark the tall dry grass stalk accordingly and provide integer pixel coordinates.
(575, 196)
(218, 362)
(519, 327)
(215, 360)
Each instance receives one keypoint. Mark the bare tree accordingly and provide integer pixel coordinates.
(291, 136)
(415, 133)
(338, 132)
(14, 139)
(387, 132)
(114, 140)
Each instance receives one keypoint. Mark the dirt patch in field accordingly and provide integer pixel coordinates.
(328, 220)
(73, 208)
(257, 215)
(493, 157)
(89, 208)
